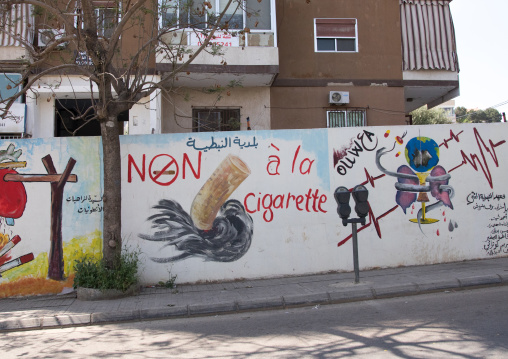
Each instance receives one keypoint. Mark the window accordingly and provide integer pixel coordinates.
(211, 120)
(107, 19)
(449, 111)
(335, 35)
(258, 14)
(67, 110)
(190, 13)
(347, 118)
(182, 13)
(233, 16)
(107, 14)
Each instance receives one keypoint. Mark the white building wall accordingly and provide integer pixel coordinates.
(41, 116)
(254, 102)
(144, 117)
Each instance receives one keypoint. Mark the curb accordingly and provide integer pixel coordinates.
(343, 295)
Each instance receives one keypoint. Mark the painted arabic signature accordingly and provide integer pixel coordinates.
(223, 143)
(88, 204)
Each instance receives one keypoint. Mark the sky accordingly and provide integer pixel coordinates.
(481, 31)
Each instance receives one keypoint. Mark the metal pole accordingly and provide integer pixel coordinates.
(355, 254)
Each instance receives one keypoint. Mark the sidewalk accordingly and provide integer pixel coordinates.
(247, 295)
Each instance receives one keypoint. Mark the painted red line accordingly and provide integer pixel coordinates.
(387, 212)
(372, 219)
(454, 168)
(452, 137)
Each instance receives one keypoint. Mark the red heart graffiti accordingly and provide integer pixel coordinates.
(12, 196)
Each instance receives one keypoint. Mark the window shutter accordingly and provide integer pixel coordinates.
(428, 38)
(336, 27)
(347, 118)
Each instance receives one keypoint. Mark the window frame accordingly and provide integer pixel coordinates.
(253, 17)
(316, 37)
(347, 117)
(98, 6)
(217, 10)
(177, 15)
(101, 29)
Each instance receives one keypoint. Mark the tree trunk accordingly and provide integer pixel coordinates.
(112, 225)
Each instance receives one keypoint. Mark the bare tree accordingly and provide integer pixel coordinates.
(91, 34)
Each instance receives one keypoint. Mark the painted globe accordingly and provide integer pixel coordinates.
(422, 153)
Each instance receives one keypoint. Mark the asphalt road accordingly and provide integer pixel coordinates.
(463, 324)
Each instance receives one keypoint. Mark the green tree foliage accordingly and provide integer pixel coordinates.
(477, 116)
(435, 116)
(460, 112)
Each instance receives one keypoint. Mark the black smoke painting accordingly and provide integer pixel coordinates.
(217, 228)
(227, 241)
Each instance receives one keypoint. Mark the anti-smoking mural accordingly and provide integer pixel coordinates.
(422, 155)
(251, 204)
(467, 151)
(217, 229)
(32, 205)
(12, 205)
(278, 217)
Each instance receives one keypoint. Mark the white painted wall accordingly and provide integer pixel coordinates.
(305, 241)
(281, 215)
(13, 53)
(254, 55)
(144, 117)
(41, 116)
(254, 102)
(140, 118)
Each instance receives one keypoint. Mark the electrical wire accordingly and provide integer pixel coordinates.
(389, 112)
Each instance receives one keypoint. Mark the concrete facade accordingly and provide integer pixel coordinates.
(272, 75)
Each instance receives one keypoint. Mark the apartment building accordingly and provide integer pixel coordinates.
(349, 63)
(284, 64)
(14, 58)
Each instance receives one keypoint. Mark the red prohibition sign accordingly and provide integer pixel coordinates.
(156, 174)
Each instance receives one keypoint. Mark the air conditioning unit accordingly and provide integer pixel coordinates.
(47, 36)
(338, 97)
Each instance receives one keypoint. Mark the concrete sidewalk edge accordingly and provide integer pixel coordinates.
(269, 303)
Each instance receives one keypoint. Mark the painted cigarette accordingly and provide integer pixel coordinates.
(13, 164)
(9, 245)
(17, 262)
(226, 178)
(164, 173)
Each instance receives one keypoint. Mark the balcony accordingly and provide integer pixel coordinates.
(430, 62)
(251, 66)
(248, 55)
(17, 24)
